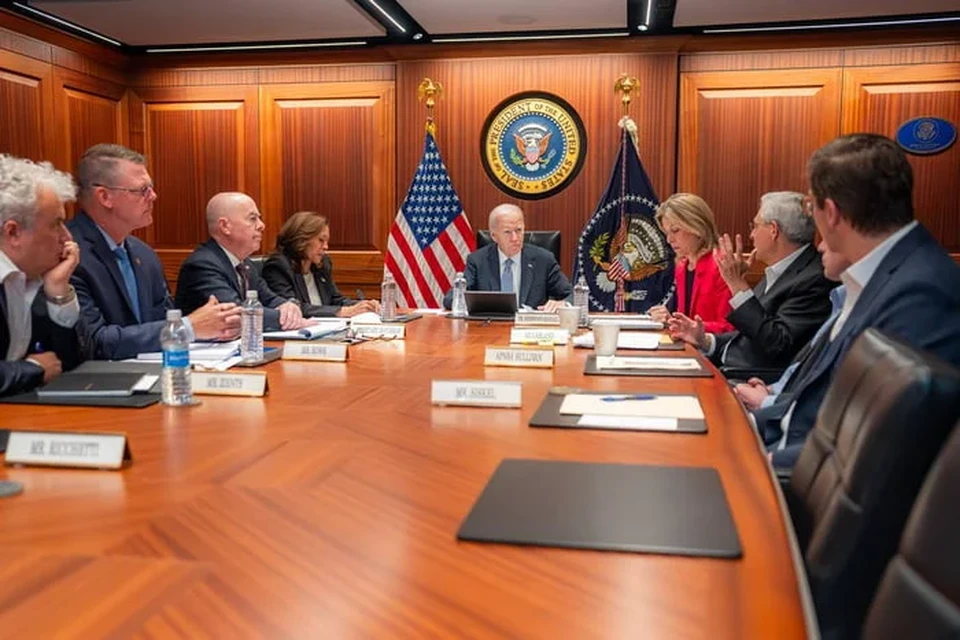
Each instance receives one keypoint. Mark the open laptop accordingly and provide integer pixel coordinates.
(491, 305)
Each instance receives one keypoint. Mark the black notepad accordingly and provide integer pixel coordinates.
(612, 507)
(590, 368)
(548, 415)
(87, 385)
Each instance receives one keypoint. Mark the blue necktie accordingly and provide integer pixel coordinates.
(129, 280)
(506, 280)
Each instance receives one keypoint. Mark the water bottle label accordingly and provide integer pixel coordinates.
(176, 358)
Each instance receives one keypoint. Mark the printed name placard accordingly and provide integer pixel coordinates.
(322, 351)
(536, 318)
(520, 335)
(518, 357)
(223, 383)
(476, 393)
(66, 449)
(390, 331)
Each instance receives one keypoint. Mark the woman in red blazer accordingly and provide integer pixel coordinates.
(688, 223)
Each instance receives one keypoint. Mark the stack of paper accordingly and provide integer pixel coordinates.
(319, 330)
(208, 355)
(626, 340)
(628, 320)
(626, 411)
(676, 364)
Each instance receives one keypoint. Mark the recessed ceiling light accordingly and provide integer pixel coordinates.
(417, 36)
(641, 27)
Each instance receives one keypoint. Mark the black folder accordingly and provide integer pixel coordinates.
(611, 507)
(590, 368)
(86, 385)
(548, 415)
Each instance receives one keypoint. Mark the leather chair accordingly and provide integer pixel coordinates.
(881, 424)
(549, 240)
(920, 593)
(257, 262)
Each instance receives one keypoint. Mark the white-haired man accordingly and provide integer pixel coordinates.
(41, 333)
(508, 264)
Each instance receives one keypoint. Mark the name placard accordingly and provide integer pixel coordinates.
(536, 318)
(322, 351)
(65, 449)
(389, 331)
(222, 383)
(476, 393)
(520, 335)
(518, 357)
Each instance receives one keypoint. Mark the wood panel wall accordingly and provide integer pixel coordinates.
(342, 132)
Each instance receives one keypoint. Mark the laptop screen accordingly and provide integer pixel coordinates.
(491, 303)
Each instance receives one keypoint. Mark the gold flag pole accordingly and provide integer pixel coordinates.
(430, 90)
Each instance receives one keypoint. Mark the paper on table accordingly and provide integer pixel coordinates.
(626, 340)
(367, 317)
(621, 362)
(629, 422)
(199, 351)
(681, 407)
(145, 383)
(313, 331)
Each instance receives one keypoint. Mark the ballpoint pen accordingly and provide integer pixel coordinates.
(640, 396)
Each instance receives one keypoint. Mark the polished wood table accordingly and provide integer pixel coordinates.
(329, 509)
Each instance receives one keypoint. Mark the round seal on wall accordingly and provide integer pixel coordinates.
(532, 145)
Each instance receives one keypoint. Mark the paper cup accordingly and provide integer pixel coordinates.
(569, 318)
(605, 336)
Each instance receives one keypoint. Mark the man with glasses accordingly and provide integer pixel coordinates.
(120, 283)
(775, 319)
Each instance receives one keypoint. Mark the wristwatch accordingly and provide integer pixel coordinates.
(59, 301)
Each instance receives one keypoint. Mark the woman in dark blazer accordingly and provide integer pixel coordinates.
(688, 223)
(301, 269)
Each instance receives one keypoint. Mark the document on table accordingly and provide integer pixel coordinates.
(666, 406)
(606, 363)
(322, 328)
(200, 352)
(626, 340)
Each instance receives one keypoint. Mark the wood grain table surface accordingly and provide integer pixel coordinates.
(329, 509)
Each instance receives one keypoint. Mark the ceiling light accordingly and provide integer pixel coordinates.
(69, 25)
(260, 47)
(641, 27)
(647, 14)
(564, 36)
(835, 25)
(418, 36)
(387, 15)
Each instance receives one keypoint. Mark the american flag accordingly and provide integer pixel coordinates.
(431, 237)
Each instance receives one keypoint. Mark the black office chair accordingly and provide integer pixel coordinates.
(257, 262)
(549, 240)
(920, 593)
(881, 424)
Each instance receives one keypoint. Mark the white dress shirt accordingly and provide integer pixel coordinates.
(312, 291)
(20, 296)
(516, 270)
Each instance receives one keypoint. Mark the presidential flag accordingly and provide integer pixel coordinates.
(431, 237)
(622, 253)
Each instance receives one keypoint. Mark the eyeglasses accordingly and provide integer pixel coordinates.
(754, 224)
(143, 191)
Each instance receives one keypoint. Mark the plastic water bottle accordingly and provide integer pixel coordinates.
(459, 305)
(175, 386)
(388, 298)
(581, 298)
(251, 329)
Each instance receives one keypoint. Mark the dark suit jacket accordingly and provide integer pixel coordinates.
(70, 345)
(772, 327)
(104, 302)
(540, 275)
(914, 295)
(207, 271)
(280, 276)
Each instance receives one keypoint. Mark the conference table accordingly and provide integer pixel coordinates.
(329, 509)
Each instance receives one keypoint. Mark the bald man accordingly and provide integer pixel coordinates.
(221, 267)
(120, 283)
(530, 272)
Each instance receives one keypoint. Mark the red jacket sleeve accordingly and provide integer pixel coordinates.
(711, 296)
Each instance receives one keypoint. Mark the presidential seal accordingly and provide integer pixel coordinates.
(532, 145)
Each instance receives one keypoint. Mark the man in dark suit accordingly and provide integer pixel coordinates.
(120, 282)
(221, 267)
(510, 265)
(900, 280)
(41, 332)
(775, 319)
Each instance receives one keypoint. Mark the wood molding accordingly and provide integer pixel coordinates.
(29, 72)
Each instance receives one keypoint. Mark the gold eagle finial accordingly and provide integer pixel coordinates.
(625, 85)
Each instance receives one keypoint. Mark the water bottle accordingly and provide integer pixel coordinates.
(388, 298)
(581, 298)
(459, 306)
(251, 329)
(175, 386)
